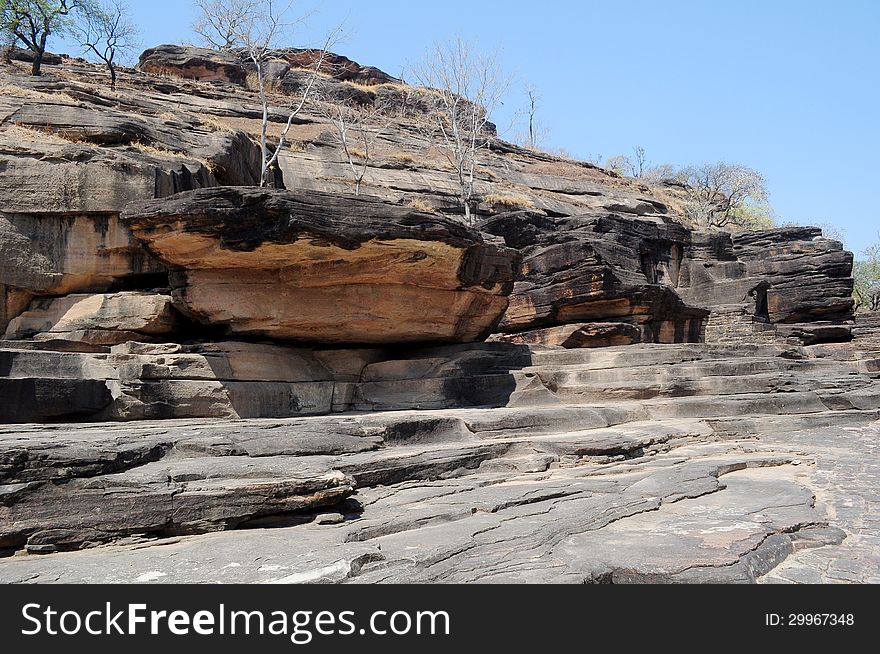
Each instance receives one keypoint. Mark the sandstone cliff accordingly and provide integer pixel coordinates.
(580, 387)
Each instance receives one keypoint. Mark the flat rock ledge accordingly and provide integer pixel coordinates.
(670, 463)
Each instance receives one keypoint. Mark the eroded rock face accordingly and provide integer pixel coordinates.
(208, 65)
(100, 319)
(809, 277)
(599, 268)
(325, 268)
(673, 284)
(336, 66)
(572, 335)
(72, 158)
(50, 255)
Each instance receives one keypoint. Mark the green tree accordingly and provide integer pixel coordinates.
(33, 21)
(866, 274)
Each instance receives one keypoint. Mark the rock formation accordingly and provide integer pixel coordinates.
(653, 281)
(324, 268)
(293, 385)
(99, 319)
(200, 64)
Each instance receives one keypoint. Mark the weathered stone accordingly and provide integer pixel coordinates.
(591, 334)
(506, 461)
(809, 277)
(679, 284)
(102, 319)
(193, 63)
(12, 53)
(207, 65)
(57, 254)
(598, 269)
(192, 495)
(349, 269)
(42, 399)
(336, 66)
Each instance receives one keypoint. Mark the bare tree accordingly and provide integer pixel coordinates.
(659, 174)
(107, 32)
(638, 162)
(358, 128)
(256, 38)
(219, 23)
(635, 166)
(535, 133)
(33, 21)
(722, 194)
(467, 87)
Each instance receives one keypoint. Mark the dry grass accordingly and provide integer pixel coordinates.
(32, 94)
(511, 201)
(215, 124)
(171, 154)
(420, 205)
(568, 170)
(487, 173)
(23, 134)
(403, 157)
(252, 82)
(48, 135)
(157, 152)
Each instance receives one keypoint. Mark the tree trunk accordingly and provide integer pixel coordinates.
(112, 76)
(264, 126)
(38, 63)
(39, 51)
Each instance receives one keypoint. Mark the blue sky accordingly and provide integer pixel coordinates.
(790, 88)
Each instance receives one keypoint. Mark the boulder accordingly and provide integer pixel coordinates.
(100, 319)
(12, 53)
(208, 65)
(325, 268)
(194, 63)
(336, 66)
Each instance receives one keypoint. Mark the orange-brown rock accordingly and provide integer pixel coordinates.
(325, 268)
(101, 318)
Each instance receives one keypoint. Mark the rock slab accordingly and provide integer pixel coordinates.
(325, 268)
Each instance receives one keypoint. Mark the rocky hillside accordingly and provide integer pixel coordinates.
(380, 392)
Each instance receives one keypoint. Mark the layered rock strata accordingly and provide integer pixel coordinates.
(325, 268)
(586, 456)
(640, 280)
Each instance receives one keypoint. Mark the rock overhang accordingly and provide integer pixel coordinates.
(324, 267)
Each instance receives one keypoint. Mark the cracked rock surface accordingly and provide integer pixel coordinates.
(604, 472)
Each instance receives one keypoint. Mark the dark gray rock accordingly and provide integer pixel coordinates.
(675, 284)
